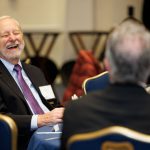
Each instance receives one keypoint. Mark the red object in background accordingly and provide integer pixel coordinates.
(86, 66)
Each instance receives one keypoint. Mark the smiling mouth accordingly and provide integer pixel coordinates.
(12, 46)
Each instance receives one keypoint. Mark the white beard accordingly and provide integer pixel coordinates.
(12, 54)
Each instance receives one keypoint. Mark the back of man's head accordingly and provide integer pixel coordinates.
(128, 52)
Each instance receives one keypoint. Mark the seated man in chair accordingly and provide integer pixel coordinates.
(124, 102)
(22, 86)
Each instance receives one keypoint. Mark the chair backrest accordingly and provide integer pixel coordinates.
(66, 70)
(111, 138)
(8, 133)
(97, 82)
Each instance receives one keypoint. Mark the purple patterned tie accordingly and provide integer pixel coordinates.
(27, 92)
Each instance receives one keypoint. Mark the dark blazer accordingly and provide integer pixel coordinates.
(118, 104)
(12, 101)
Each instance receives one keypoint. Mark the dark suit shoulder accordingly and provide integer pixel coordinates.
(35, 74)
(30, 67)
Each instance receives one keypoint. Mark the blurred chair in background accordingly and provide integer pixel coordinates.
(48, 66)
(110, 138)
(97, 82)
(8, 133)
(65, 71)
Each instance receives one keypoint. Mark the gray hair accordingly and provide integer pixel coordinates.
(128, 52)
(9, 17)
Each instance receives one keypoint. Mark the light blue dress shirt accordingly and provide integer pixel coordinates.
(10, 68)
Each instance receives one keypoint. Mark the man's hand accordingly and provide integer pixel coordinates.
(53, 117)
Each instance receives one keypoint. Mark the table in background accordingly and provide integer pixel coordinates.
(45, 138)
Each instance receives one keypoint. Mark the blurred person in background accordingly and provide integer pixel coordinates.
(125, 101)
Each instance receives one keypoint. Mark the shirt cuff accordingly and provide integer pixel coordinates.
(34, 125)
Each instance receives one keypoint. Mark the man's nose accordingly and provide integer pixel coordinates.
(12, 37)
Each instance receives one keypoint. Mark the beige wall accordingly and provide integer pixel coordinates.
(111, 12)
(36, 14)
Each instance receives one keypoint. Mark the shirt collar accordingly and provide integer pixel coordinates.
(8, 65)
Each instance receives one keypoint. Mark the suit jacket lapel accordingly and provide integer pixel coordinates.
(32, 79)
(36, 84)
(9, 81)
(30, 76)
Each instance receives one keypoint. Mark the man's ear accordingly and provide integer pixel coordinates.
(107, 64)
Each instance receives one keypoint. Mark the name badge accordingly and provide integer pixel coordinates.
(47, 92)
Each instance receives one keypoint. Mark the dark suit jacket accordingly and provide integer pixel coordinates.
(12, 101)
(118, 104)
